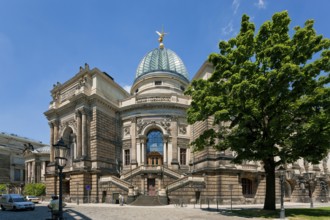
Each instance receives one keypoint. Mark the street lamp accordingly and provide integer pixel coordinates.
(310, 179)
(281, 170)
(60, 150)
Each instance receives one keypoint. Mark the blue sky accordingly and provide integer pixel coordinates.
(45, 41)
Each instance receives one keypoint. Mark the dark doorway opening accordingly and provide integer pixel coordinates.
(151, 187)
(104, 196)
(197, 196)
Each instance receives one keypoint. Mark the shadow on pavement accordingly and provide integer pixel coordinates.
(70, 214)
(225, 212)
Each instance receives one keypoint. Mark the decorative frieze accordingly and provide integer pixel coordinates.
(68, 94)
(153, 99)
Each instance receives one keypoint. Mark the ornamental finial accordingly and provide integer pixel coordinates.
(161, 38)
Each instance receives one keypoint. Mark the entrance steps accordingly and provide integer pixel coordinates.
(144, 200)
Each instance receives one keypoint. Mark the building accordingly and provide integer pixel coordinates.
(137, 144)
(17, 165)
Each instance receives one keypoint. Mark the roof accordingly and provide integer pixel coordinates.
(161, 60)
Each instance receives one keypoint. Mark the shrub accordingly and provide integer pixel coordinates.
(36, 189)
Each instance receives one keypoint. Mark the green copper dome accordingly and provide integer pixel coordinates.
(161, 60)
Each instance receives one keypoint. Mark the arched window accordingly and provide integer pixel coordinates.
(155, 142)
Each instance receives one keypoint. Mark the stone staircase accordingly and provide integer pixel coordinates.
(144, 200)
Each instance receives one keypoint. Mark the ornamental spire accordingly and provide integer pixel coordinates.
(161, 38)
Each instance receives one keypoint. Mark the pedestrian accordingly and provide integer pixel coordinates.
(54, 206)
(121, 199)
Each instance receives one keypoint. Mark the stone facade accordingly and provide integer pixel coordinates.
(138, 143)
(22, 160)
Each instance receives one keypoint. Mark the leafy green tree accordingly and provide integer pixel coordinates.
(36, 189)
(272, 91)
(3, 188)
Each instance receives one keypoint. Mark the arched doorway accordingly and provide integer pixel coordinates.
(155, 147)
(155, 154)
(69, 139)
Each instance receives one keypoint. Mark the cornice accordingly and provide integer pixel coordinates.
(96, 99)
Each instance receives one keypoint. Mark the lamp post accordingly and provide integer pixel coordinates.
(282, 176)
(310, 179)
(60, 150)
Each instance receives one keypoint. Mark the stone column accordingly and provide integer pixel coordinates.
(43, 171)
(174, 133)
(74, 146)
(26, 171)
(133, 138)
(123, 157)
(84, 133)
(188, 155)
(33, 171)
(165, 146)
(143, 152)
(55, 139)
(30, 172)
(165, 153)
(78, 118)
(138, 152)
(51, 142)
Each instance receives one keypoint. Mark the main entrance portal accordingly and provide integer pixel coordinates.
(151, 187)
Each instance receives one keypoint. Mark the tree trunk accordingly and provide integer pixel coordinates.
(269, 166)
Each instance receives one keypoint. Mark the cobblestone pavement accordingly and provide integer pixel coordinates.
(111, 211)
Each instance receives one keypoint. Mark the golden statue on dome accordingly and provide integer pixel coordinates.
(161, 38)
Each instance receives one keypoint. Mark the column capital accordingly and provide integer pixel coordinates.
(51, 125)
(77, 113)
(54, 122)
(142, 138)
(83, 110)
(133, 120)
(166, 138)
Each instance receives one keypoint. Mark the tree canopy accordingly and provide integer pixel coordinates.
(270, 93)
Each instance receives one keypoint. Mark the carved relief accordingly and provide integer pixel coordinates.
(82, 82)
(126, 131)
(165, 123)
(72, 123)
(126, 144)
(183, 129)
(55, 96)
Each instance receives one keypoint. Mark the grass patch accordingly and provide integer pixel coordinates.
(291, 214)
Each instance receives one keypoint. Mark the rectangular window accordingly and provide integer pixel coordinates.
(183, 156)
(127, 157)
(247, 187)
(17, 175)
(158, 83)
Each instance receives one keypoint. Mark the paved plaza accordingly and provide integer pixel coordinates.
(127, 212)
